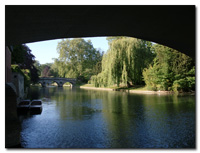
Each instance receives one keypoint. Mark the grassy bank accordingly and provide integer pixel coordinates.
(136, 89)
(139, 89)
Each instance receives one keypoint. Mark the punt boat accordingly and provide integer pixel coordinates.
(36, 106)
(23, 106)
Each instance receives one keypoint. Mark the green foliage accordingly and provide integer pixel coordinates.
(38, 67)
(15, 68)
(47, 69)
(180, 85)
(22, 56)
(124, 62)
(24, 72)
(18, 54)
(77, 59)
(54, 71)
(185, 84)
(27, 77)
(171, 70)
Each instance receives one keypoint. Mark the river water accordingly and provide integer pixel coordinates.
(80, 118)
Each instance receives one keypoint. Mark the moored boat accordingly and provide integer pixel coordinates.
(23, 106)
(36, 106)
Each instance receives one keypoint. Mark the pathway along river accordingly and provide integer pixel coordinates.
(80, 118)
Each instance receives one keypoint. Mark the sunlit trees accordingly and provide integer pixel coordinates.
(131, 61)
(23, 57)
(77, 59)
(171, 70)
(124, 62)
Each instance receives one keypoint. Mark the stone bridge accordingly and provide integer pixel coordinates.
(60, 81)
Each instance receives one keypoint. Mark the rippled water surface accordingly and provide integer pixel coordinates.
(80, 118)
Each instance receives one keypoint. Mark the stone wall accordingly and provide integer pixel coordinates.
(12, 124)
(18, 81)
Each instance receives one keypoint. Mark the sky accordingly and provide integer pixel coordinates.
(44, 51)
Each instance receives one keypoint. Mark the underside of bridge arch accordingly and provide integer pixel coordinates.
(56, 82)
(59, 83)
(47, 83)
(173, 26)
(42, 83)
(71, 83)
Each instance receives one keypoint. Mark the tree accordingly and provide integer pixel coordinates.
(38, 67)
(22, 56)
(170, 70)
(18, 54)
(46, 71)
(124, 62)
(54, 68)
(77, 58)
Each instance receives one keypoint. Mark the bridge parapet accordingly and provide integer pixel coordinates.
(60, 81)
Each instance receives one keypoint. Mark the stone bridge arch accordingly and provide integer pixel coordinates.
(44, 81)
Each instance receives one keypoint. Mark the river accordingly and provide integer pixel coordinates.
(81, 118)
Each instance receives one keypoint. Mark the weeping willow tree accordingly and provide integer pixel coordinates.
(124, 62)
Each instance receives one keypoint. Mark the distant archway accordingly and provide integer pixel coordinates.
(44, 81)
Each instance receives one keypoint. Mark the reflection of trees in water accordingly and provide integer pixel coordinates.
(48, 92)
(141, 120)
(168, 120)
(165, 120)
(33, 93)
(40, 92)
(120, 114)
(71, 103)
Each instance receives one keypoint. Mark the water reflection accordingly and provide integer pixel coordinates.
(78, 118)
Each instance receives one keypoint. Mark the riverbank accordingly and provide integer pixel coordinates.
(136, 90)
(129, 91)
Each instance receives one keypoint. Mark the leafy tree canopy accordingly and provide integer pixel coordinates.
(171, 70)
(124, 62)
(77, 58)
(23, 57)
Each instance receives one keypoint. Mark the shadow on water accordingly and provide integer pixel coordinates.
(78, 118)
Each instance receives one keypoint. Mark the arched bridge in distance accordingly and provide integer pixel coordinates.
(60, 81)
